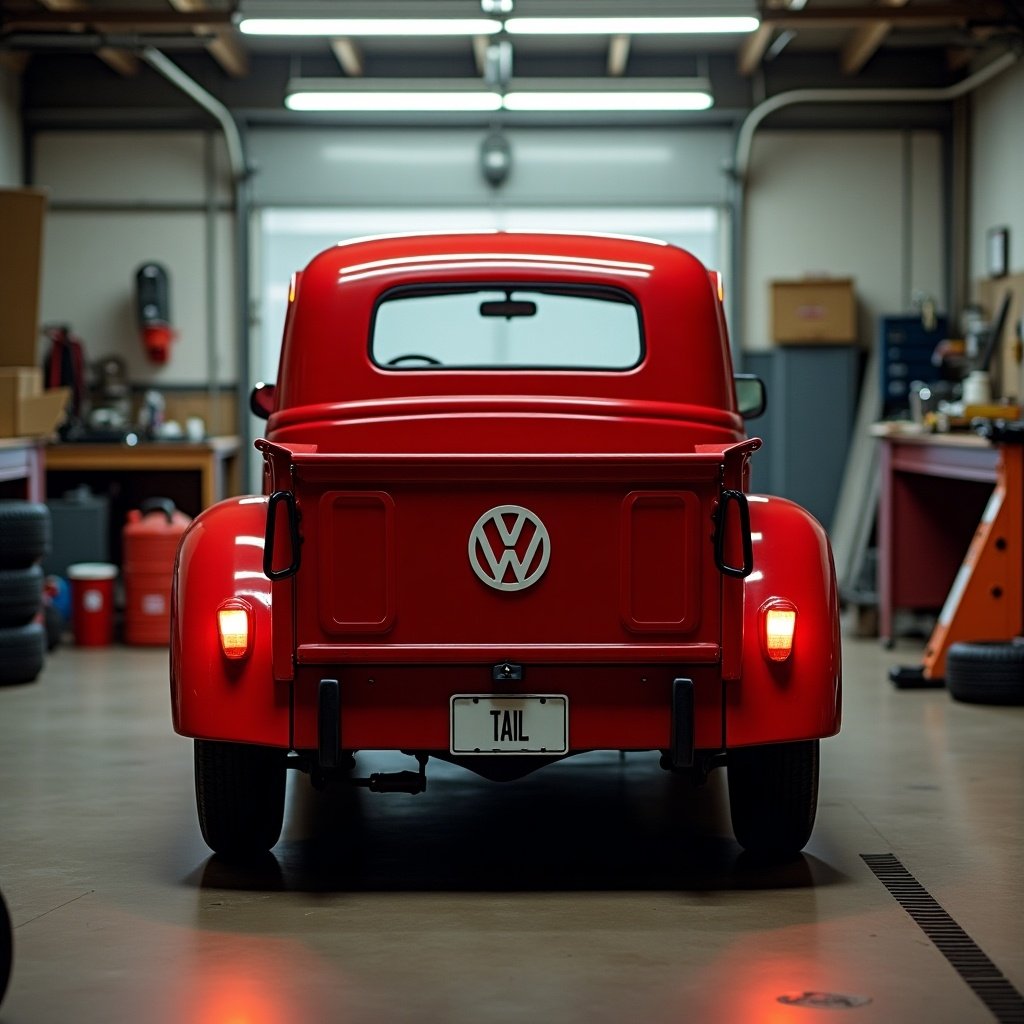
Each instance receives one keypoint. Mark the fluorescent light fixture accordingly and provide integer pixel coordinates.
(610, 101)
(394, 101)
(602, 94)
(369, 26)
(525, 94)
(629, 26)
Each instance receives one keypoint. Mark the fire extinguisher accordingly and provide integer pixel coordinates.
(153, 305)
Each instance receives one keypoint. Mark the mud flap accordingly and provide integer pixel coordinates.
(329, 724)
(682, 723)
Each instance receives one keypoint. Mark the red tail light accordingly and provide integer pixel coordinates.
(779, 629)
(234, 624)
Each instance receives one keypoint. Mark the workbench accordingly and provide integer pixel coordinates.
(934, 488)
(212, 466)
(22, 463)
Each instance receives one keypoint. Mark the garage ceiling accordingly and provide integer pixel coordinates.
(85, 54)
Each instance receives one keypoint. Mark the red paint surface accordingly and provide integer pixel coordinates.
(391, 470)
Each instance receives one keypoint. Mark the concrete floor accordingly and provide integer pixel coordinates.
(598, 890)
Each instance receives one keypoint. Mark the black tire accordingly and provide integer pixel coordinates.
(986, 672)
(21, 595)
(240, 797)
(24, 533)
(773, 796)
(22, 651)
(6, 947)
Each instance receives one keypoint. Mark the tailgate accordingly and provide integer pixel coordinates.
(558, 558)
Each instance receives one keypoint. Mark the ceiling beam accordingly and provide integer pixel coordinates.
(936, 15)
(72, 14)
(618, 55)
(224, 46)
(865, 41)
(480, 44)
(124, 62)
(753, 48)
(959, 58)
(348, 55)
(13, 62)
(227, 50)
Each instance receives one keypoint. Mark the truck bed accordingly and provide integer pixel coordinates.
(630, 574)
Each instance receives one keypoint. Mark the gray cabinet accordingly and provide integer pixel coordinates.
(812, 402)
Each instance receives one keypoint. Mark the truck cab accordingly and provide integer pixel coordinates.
(505, 519)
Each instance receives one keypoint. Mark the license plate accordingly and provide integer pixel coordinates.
(485, 724)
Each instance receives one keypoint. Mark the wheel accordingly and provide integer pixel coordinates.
(6, 947)
(22, 650)
(239, 796)
(773, 796)
(21, 595)
(24, 533)
(986, 672)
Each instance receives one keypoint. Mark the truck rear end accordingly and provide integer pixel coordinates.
(505, 520)
(445, 591)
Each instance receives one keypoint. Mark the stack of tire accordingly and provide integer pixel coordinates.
(24, 539)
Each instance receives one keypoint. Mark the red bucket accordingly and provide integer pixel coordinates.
(92, 603)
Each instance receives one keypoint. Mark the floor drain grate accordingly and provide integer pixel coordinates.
(968, 959)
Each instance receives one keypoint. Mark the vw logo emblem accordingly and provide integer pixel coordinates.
(509, 548)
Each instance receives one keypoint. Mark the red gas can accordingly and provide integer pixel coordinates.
(150, 541)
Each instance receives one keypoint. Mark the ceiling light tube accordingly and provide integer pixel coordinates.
(389, 95)
(369, 26)
(383, 102)
(582, 95)
(630, 26)
(525, 94)
(608, 101)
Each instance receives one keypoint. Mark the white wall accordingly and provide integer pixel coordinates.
(866, 205)
(996, 196)
(128, 198)
(10, 130)
(860, 204)
(996, 200)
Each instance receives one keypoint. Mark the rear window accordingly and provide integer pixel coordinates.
(507, 328)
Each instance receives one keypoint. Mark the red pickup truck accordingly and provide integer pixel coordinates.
(505, 519)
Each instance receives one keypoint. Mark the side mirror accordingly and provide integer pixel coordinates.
(751, 400)
(261, 400)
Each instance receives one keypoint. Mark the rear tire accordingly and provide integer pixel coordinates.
(239, 796)
(773, 796)
(986, 673)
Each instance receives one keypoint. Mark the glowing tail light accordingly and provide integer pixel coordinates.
(779, 630)
(235, 628)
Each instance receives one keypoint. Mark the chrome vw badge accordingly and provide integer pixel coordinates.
(509, 548)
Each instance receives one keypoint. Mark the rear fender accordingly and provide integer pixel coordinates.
(220, 556)
(799, 698)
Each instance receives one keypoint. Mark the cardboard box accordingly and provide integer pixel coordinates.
(22, 213)
(814, 311)
(26, 410)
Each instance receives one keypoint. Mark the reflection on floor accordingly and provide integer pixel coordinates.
(600, 889)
